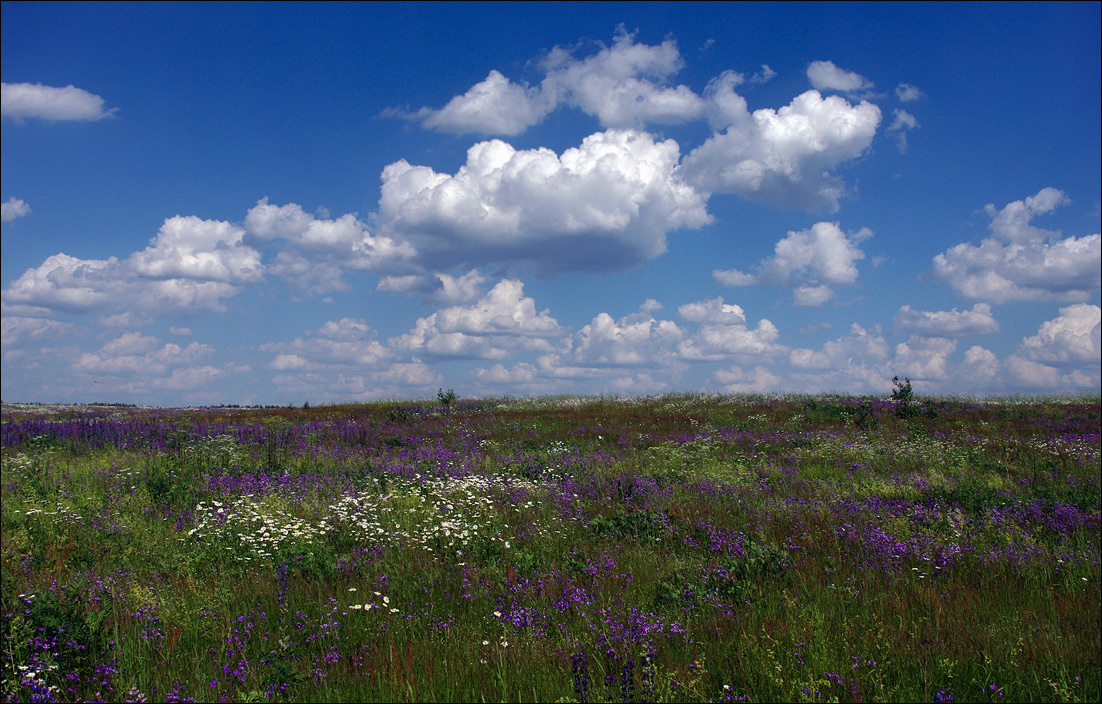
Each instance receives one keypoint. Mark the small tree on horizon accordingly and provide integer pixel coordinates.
(446, 397)
(903, 395)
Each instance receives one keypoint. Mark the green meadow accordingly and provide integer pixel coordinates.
(670, 548)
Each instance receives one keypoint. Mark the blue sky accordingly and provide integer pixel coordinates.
(281, 203)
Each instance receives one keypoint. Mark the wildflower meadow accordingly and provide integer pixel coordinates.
(670, 548)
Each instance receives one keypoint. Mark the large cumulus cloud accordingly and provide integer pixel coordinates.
(1065, 353)
(783, 157)
(623, 85)
(190, 264)
(786, 157)
(604, 205)
(1023, 262)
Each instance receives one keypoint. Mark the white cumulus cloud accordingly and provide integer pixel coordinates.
(339, 384)
(858, 347)
(782, 157)
(192, 248)
(856, 362)
(23, 101)
(980, 369)
(494, 106)
(908, 92)
(903, 121)
(825, 76)
(947, 323)
(135, 354)
(785, 157)
(1012, 222)
(758, 380)
(522, 374)
(345, 343)
(623, 85)
(67, 283)
(764, 76)
(190, 264)
(17, 331)
(812, 296)
(13, 209)
(605, 205)
(1070, 338)
(1065, 353)
(502, 320)
(925, 358)
(1022, 262)
(713, 311)
(633, 354)
(437, 287)
(638, 339)
(810, 261)
(724, 333)
(315, 252)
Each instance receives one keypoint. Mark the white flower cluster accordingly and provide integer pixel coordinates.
(17, 462)
(60, 512)
(444, 516)
(1082, 450)
(440, 515)
(36, 675)
(371, 604)
(248, 529)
